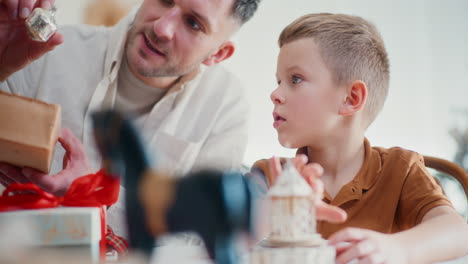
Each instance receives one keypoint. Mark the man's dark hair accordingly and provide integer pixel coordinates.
(244, 9)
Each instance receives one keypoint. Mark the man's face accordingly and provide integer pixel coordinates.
(307, 99)
(172, 37)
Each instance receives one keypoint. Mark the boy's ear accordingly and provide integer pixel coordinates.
(355, 98)
(224, 52)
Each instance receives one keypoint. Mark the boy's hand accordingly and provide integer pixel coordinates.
(75, 165)
(367, 247)
(17, 49)
(312, 172)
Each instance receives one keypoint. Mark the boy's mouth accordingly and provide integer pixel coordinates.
(278, 120)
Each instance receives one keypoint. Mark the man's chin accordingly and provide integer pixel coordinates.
(146, 72)
(151, 72)
(141, 66)
(144, 67)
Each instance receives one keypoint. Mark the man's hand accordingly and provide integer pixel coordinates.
(17, 50)
(367, 247)
(312, 172)
(75, 165)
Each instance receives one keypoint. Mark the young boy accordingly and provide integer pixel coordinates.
(333, 78)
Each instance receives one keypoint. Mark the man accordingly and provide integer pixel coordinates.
(152, 65)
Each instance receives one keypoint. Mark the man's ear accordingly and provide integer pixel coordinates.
(224, 52)
(355, 99)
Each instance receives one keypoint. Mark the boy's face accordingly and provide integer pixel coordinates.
(307, 99)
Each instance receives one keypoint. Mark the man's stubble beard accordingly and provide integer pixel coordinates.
(166, 70)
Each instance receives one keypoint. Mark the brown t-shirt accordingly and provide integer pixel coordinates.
(391, 192)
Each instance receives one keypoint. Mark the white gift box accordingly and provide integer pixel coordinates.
(76, 230)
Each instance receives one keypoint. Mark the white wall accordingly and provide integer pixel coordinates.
(70, 11)
(426, 42)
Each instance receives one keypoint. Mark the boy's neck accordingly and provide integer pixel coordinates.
(341, 159)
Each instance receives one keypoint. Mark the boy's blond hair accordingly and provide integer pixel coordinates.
(352, 49)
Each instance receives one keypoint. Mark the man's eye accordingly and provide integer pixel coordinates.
(296, 79)
(193, 24)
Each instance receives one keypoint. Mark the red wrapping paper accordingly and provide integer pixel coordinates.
(92, 190)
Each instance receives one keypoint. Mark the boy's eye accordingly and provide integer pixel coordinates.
(296, 79)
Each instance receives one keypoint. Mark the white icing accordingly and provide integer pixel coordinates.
(292, 219)
(290, 184)
(323, 254)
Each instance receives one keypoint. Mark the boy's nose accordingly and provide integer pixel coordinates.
(166, 25)
(276, 97)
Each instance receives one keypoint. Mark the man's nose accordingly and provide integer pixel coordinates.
(166, 25)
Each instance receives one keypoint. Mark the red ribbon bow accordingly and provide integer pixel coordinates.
(92, 190)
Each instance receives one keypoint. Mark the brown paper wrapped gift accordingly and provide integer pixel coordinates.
(29, 130)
